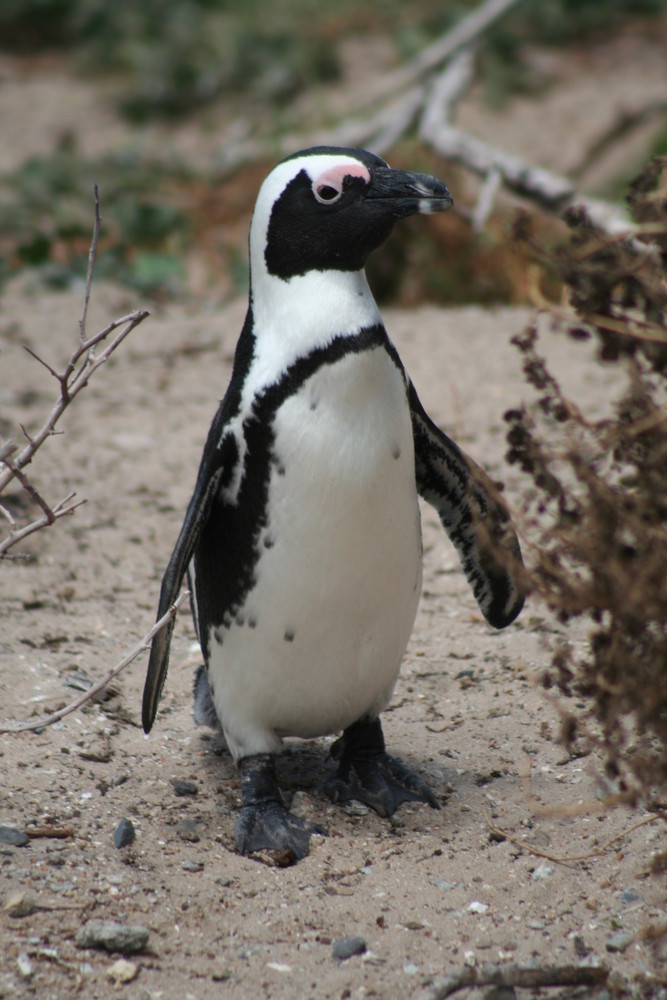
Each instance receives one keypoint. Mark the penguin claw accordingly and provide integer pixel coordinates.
(367, 773)
(271, 827)
(382, 783)
(265, 823)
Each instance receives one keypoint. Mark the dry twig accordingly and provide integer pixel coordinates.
(572, 857)
(23, 727)
(521, 976)
(74, 377)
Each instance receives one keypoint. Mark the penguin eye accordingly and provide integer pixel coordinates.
(326, 194)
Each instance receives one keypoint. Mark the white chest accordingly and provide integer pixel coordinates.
(319, 640)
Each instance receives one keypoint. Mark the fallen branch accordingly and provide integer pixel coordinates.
(23, 727)
(549, 190)
(519, 976)
(382, 129)
(461, 36)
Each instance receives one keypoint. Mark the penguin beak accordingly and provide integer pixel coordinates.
(404, 192)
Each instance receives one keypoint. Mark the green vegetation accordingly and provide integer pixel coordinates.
(46, 212)
(174, 57)
(170, 59)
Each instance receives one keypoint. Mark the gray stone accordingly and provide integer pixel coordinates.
(619, 941)
(184, 787)
(188, 829)
(346, 947)
(124, 833)
(111, 936)
(16, 838)
(192, 866)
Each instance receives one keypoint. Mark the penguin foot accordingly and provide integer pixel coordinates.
(265, 823)
(367, 773)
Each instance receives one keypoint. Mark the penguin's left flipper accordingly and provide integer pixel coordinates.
(473, 515)
(368, 774)
(218, 463)
(265, 823)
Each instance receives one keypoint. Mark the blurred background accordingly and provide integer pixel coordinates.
(178, 109)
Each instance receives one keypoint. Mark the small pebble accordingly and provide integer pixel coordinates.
(441, 883)
(535, 925)
(542, 872)
(25, 966)
(15, 838)
(192, 866)
(580, 947)
(184, 787)
(112, 936)
(346, 947)
(619, 941)
(476, 907)
(124, 833)
(122, 971)
(188, 830)
(223, 880)
(630, 896)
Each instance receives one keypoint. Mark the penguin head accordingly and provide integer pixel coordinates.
(327, 208)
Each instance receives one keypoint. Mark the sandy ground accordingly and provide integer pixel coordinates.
(428, 891)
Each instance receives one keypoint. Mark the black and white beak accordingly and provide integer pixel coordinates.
(405, 192)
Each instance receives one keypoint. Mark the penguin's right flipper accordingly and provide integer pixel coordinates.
(474, 517)
(217, 467)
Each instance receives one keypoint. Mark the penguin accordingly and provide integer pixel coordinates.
(302, 540)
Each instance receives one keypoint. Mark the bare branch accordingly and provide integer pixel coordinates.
(91, 265)
(462, 35)
(445, 92)
(16, 535)
(31, 491)
(72, 381)
(551, 191)
(382, 129)
(23, 727)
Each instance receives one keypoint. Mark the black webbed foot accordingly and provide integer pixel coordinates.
(367, 773)
(265, 823)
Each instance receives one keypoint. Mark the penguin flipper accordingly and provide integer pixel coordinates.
(218, 462)
(474, 517)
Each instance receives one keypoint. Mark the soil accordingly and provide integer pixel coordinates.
(430, 892)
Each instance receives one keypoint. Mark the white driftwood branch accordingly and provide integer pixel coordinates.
(446, 90)
(460, 36)
(550, 190)
(48, 720)
(385, 127)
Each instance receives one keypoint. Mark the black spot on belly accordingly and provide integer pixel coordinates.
(240, 619)
(396, 453)
(314, 403)
(252, 622)
(268, 542)
(218, 635)
(289, 635)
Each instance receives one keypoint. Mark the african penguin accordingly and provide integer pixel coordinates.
(302, 540)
